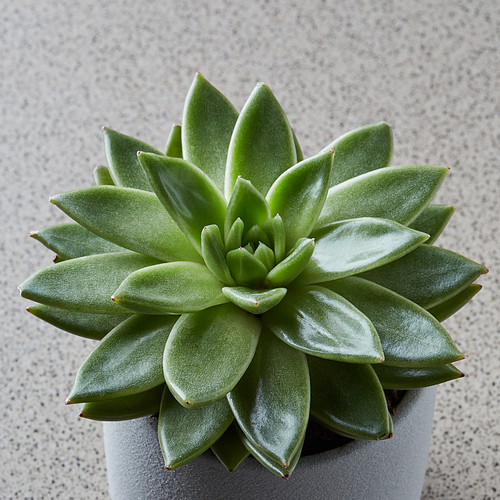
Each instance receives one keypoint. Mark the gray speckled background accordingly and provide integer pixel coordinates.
(431, 69)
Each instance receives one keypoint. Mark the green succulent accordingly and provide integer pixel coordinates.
(240, 290)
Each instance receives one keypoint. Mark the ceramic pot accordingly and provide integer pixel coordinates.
(385, 470)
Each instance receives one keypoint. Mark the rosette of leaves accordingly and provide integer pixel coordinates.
(240, 290)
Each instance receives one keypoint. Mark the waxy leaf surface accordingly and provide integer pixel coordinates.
(317, 321)
(229, 449)
(254, 301)
(127, 361)
(173, 147)
(212, 250)
(275, 230)
(219, 341)
(102, 177)
(247, 270)
(234, 239)
(433, 220)
(172, 288)
(451, 306)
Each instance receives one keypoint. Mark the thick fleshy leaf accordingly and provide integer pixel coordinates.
(352, 246)
(299, 194)
(126, 407)
(246, 269)
(88, 325)
(254, 301)
(265, 255)
(131, 218)
(127, 361)
(410, 336)
(208, 123)
(451, 306)
(85, 284)
(70, 241)
(189, 195)
(394, 193)
(320, 322)
(268, 463)
(186, 433)
(234, 239)
(174, 142)
(360, 151)
(433, 220)
(121, 154)
(256, 235)
(395, 377)
(172, 288)
(290, 267)
(275, 230)
(427, 276)
(102, 177)
(212, 250)
(262, 145)
(271, 401)
(349, 399)
(220, 341)
(247, 204)
(229, 449)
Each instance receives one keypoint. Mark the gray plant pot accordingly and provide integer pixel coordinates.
(385, 470)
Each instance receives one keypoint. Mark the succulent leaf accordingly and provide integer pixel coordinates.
(84, 284)
(121, 154)
(229, 449)
(219, 341)
(320, 322)
(265, 255)
(449, 307)
(433, 220)
(189, 195)
(208, 123)
(410, 336)
(299, 194)
(171, 288)
(360, 151)
(130, 218)
(246, 269)
(212, 250)
(234, 239)
(137, 405)
(271, 401)
(395, 377)
(395, 193)
(427, 276)
(298, 150)
(102, 177)
(173, 147)
(262, 145)
(275, 230)
(254, 301)
(186, 433)
(256, 235)
(349, 399)
(70, 241)
(349, 247)
(83, 324)
(127, 361)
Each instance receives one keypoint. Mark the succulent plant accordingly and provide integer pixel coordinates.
(240, 290)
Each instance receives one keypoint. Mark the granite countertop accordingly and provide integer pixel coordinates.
(431, 69)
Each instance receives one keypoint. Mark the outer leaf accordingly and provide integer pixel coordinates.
(229, 449)
(320, 322)
(220, 341)
(299, 194)
(262, 145)
(348, 399)
(125, 408)
(174, 144)
(70, 241)
(427, 276)
(395, 377)
(410, 336)
(121, 154)
(208, 123)
(246, 269)
(451, 306)
(172, 288)
(395, 193)
(247, 204)
(275, 229)
(190, 197)
(433, 220)
(127, 361)
(130, 218)
(352, 246)
(254, 301)
(212, 250)
(184, 434)
(88, 325)
(360, 151)
(102, 177)
(271, 401)
(85, 284)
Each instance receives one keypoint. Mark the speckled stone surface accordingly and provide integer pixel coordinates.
(431, 69)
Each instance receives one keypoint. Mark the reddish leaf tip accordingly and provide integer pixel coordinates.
(139, 153)
(28, 309)
(67, 402)
(286, 476)
(168, 467)
(33, 234)
(391, 434)
(104, 127)
(462, 375)
(331, 151)
(187, 403)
